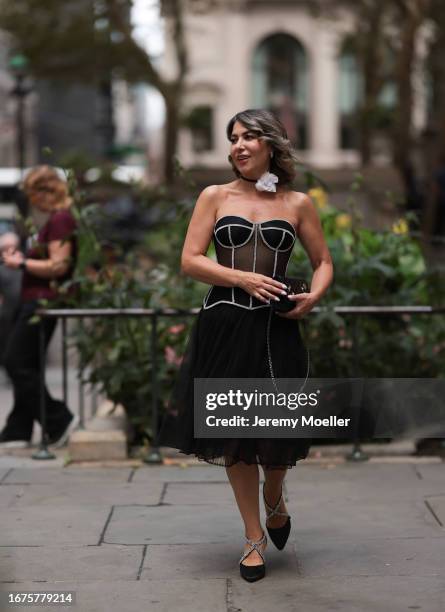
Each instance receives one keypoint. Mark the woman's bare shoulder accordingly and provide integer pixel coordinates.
(301, 202)
(217, 193)
(299, 198)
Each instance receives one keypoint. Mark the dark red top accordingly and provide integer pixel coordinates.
(61, 225)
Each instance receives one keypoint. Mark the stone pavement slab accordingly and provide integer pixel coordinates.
(46, 525)
(22, 458)
(355, 482)
(3, 472)
(136, 595)
(382, 518)
(91, 493)
(437, 506)
(376, 557)
(175, 473)
(345, 594)
(173, 524)
(432, 473)
(68, 563)
(58, 476)
(195, 493)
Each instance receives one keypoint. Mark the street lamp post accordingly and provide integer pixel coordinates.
(18, 64)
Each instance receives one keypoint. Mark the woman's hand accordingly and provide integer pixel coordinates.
(13, 258)
(262, 287)
(305, 303)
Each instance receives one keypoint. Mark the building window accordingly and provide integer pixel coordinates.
(200, 122)
(279, 83)
(350, 95)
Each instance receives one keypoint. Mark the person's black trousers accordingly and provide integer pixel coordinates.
(21, 360)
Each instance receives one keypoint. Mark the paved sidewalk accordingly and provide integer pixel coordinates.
(365, 537)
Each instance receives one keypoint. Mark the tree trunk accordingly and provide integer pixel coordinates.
(412, 20)
(172, 107)
(434, 151)
(369, 40)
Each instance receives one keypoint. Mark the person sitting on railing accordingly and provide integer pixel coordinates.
(49, 259)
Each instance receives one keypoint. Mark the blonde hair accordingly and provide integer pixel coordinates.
(268, 127)
(46, 182)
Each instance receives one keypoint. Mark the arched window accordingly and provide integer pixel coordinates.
(350, 95)
(279, 83)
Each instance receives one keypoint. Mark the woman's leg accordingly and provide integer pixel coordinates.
(244, 479)
(22, 362)
(20, 420)
(273, 482)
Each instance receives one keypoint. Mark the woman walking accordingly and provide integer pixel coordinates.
(49, 260)
(254, 222)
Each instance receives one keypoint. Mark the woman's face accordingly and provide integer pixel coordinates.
(250, 154)
(41, 197)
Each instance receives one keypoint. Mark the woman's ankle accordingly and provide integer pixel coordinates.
(272, 493)
(254, 534)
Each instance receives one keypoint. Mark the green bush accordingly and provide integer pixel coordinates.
(371, 267)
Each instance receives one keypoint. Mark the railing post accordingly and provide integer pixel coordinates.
(81, 385)
(94, 395)
(43, 452)
(154, 456)
(64, 363)
(357, 454)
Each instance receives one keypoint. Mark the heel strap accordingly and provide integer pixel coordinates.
(254, 546)
(274, 511)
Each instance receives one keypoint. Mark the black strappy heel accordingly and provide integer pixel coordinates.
(252, 573)
(278, 535)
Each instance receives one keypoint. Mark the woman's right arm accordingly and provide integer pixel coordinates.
(195, 263)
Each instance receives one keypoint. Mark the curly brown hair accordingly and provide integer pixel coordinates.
(45, 183)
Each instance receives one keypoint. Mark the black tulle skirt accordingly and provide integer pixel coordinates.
(227, 341)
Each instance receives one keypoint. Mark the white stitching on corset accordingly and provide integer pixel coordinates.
(260, 222)
(229, 225)
(236, 304)
(233, 259)
(276, 256)
(255, 225)
(206, 298)
(277, 248)
(254, 254)
(254, 249)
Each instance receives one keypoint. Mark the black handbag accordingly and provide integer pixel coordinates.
(293, 285)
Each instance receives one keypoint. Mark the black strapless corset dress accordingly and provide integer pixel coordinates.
(228, 340)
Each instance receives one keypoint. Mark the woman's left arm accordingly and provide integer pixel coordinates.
(311, 236)
(57, 264)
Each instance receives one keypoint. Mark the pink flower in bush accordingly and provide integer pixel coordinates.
(345, 343)
(171, 357)
(176, 329)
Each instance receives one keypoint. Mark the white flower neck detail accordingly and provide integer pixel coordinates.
(267, 182)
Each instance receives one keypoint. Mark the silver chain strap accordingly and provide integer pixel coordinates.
(270, 357)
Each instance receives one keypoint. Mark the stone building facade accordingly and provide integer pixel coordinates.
(273, 54)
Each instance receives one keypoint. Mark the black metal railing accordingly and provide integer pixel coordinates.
(154, 455)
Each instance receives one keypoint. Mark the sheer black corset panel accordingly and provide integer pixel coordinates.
(264, 247)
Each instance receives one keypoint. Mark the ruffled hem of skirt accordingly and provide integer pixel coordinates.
(227, 461)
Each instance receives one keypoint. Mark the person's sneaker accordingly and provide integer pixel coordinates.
(6, 441)
(58, 440)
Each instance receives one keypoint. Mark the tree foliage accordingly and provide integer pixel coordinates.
(89, 40)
